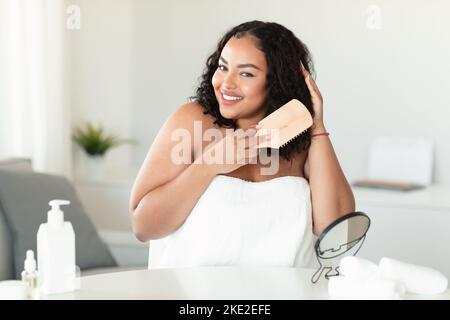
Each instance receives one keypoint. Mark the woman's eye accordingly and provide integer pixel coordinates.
(245, 74)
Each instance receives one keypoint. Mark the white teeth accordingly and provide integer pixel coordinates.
(231, 97)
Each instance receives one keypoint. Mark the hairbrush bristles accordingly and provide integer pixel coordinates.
(286, 143)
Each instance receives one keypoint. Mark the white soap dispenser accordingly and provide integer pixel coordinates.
(56, 252)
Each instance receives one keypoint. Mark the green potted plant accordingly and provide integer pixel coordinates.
(96, 143)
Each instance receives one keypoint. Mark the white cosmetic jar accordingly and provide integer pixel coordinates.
(13, 290)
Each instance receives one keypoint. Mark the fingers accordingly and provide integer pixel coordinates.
(247, 140)
(303, 69)
(306, 74)
(247, 147)
(261, 135)
(311, 84)
(311, 87)
(315, 92)
(236, 148)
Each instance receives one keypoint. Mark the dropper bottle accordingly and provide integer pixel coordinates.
(30, 275)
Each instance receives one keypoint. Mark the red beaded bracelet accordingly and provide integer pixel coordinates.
(321, 134)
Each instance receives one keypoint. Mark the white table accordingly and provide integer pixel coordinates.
(208, 283)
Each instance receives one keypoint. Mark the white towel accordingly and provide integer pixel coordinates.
(237, 222)
(374, 287)
(357, 268)
(416, 279)
(363, 279)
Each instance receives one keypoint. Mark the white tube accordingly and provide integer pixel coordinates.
(416, 279)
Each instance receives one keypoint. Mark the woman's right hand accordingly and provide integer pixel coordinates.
(233, 151)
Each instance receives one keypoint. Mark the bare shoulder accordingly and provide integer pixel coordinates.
(191, 109)
(188, 113)
(159, 166)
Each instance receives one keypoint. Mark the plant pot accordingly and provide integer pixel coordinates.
(95, 167)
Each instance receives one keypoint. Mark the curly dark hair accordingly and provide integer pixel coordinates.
(284, 54)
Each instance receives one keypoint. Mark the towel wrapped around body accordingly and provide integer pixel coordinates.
(241, 223)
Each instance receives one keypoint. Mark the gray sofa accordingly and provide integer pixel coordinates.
(6, 267)
(19, 220)
(6, 253)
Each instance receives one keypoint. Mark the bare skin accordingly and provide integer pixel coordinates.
(164, 193)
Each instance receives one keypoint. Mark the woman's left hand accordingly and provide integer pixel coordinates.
(317, 100)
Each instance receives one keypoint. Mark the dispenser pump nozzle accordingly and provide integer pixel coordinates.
(30, 262)
(55, 216)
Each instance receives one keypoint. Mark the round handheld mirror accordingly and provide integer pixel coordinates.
(338, 238)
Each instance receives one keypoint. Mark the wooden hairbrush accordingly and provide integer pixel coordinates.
(283, 125)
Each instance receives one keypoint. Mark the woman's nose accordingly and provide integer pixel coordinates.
(229, 82)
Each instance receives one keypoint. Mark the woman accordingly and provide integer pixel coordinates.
(231, 212)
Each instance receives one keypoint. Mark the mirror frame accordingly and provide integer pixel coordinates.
(321, 268)
(336, 222)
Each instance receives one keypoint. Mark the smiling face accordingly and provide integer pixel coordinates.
(240, 81)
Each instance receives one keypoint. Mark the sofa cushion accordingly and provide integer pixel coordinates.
(6, 270)
(24, 198)
(6, 266)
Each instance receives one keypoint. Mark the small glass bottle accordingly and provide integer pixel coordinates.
(30, 275)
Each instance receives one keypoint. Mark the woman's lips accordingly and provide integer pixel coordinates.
(228, 102)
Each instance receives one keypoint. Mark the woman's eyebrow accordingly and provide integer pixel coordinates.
(245, 65)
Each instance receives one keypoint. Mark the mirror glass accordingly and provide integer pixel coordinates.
(344, 234)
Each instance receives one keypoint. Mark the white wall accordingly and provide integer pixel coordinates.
(134, 62)
(99, 70)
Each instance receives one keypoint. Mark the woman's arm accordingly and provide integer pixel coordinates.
(163, 210)
(165, 192)
(331, 195)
